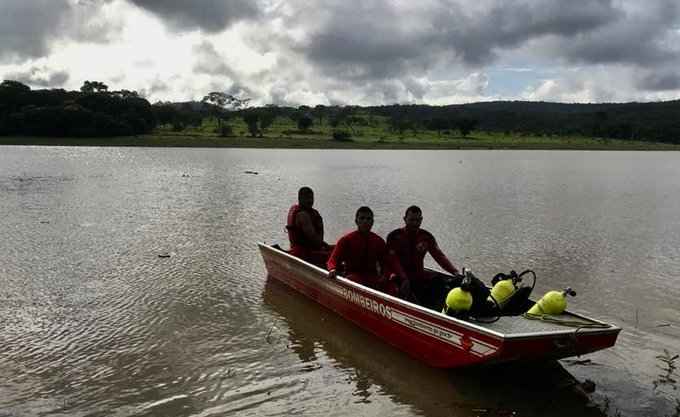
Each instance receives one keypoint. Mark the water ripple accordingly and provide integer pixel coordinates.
(94, 322)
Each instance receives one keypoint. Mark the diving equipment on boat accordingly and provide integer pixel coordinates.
(504, 287)
(459, 300)
(553, 303)
(510, 293)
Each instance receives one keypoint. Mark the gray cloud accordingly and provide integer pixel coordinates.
(370, 51)
(382, 51)
(39, 77)
(659, 81)
(476, 38)
(352, 43)
(156, 87)
(27, 27)
(209, 61)
(207, 15)
(643, 38)
(368, 44)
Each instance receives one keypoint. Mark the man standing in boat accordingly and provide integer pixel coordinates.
(409, 245)
(361, 255)
(305, 230)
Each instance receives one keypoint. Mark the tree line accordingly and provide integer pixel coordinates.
(96, 111)
(656, 121)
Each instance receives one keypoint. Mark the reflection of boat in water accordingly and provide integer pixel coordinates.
(434, 338)
(315, 333)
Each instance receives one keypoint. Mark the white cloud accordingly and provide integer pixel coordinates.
(333, 51)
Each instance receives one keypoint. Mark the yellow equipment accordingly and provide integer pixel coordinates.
(503, 290)
(553, 303)
(457, 300)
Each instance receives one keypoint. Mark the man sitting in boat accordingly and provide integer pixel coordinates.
(305, 230)
(409, 245)
(361, 255)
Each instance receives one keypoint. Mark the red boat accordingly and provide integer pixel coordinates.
(437, 339)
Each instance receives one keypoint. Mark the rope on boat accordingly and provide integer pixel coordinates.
(569, 323)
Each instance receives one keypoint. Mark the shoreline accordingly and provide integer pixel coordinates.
(471, 143)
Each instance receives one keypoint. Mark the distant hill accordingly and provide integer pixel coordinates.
(95, 111)
(655, 121)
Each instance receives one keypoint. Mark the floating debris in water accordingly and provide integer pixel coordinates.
(667, 376)
(588, 386)
(269, 337)
(579, 362)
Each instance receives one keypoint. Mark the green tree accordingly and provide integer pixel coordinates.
(221, 104)
(305, 122)
(466, 125)
(319, 112)
(400, 123)
(13, 96)
(10, 85)
(438, 124)
(252, 118)
(90, 87)
(125, 94)
(267, 118)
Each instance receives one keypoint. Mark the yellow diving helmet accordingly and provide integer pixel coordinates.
(553, 303)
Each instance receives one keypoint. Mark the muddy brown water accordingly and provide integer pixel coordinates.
(130, 282)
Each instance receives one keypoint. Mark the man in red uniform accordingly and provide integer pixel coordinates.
(361, 255)
(305, 230)
(409, 245)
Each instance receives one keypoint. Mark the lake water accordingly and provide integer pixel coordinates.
(94, 323)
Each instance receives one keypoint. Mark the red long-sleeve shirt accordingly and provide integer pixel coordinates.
(410, 250)
(362, 254)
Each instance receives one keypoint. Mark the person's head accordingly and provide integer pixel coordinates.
(413, 217)
(306, 197)
(364, 219)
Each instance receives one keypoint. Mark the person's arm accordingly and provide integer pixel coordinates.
(441, 259)
(335, 258)
(393, 265)
(304, 222)
(323, 242)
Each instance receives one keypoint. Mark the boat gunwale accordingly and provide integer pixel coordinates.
(452, 320)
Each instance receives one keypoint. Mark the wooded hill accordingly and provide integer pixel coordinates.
(657, 121)
(95, 111)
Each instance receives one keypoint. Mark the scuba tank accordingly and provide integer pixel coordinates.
(553, 303)
(509, 293)
(459, 300)
(504, 287)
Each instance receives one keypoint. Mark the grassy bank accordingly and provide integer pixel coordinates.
(474, 141)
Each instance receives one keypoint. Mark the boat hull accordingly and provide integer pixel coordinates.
(436, 339)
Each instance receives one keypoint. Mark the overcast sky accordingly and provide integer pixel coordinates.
(349, 52)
